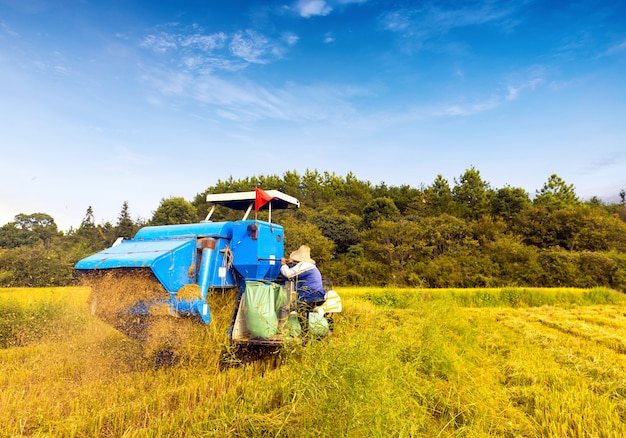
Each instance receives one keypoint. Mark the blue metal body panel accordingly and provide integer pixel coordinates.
(257, 259)
(170, 251)
(204, 229)
(196, 307)
(170, 260)
(244, 251)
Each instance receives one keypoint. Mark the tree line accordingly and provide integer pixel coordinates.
(463, 233)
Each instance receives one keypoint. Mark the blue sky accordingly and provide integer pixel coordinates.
(106, 102)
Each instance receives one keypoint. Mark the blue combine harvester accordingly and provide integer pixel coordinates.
(173, 267)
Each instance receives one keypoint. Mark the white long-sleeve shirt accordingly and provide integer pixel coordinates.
(308, 281)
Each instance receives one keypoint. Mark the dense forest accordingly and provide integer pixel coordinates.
(460, 234)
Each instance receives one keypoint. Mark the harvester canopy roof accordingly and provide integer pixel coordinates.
(242, 200)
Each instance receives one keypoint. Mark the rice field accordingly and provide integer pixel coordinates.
(400, 363)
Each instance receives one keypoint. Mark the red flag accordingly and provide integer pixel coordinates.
(262, 198)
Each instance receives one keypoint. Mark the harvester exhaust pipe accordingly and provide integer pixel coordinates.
(207, 245)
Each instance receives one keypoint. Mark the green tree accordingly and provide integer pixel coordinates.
(291, 184)
(395, 244)
(310, 189)
(402, 196)
(174, 210)
(12, 236)
(445, 234)
(578, 228)
(90, 235)
(592, 229)
(509, 201)
(109, 231)
(28, 229)
(437, 199)
(337, 228)
(487, 230)
(517, 263)
(34, 266)
(471, 194)
(555, 194)
(87, 226)
(620, 210)
(125, 226)
(88, 222)
(379, 208)
(356, 194)
(298, 233)
(595, 202)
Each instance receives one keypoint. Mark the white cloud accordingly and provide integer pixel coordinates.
(314, 8)
(519, 83)
(241, 100)
(467, 109)
(62, 70)
(310, 8)
(513, 92)
(561, 84)
(432, 20)
(291, 39)
(206, 43)
(599, 164)
(194, 50)
(531, 79)
(164, 41)
(618, 48)
(251, 46)
(166, 83)
(7, 30)
(159, 43)
(397, 21)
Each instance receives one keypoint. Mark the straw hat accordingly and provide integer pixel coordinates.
(302, 254)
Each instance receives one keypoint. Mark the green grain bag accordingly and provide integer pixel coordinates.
(318, 325)
(260, 310)
(293, 328)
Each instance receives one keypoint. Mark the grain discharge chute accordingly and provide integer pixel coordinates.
(166, 272)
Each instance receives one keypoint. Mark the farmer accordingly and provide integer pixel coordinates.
(308, 282)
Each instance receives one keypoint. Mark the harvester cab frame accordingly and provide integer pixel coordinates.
(182, 263)
(247, 200)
